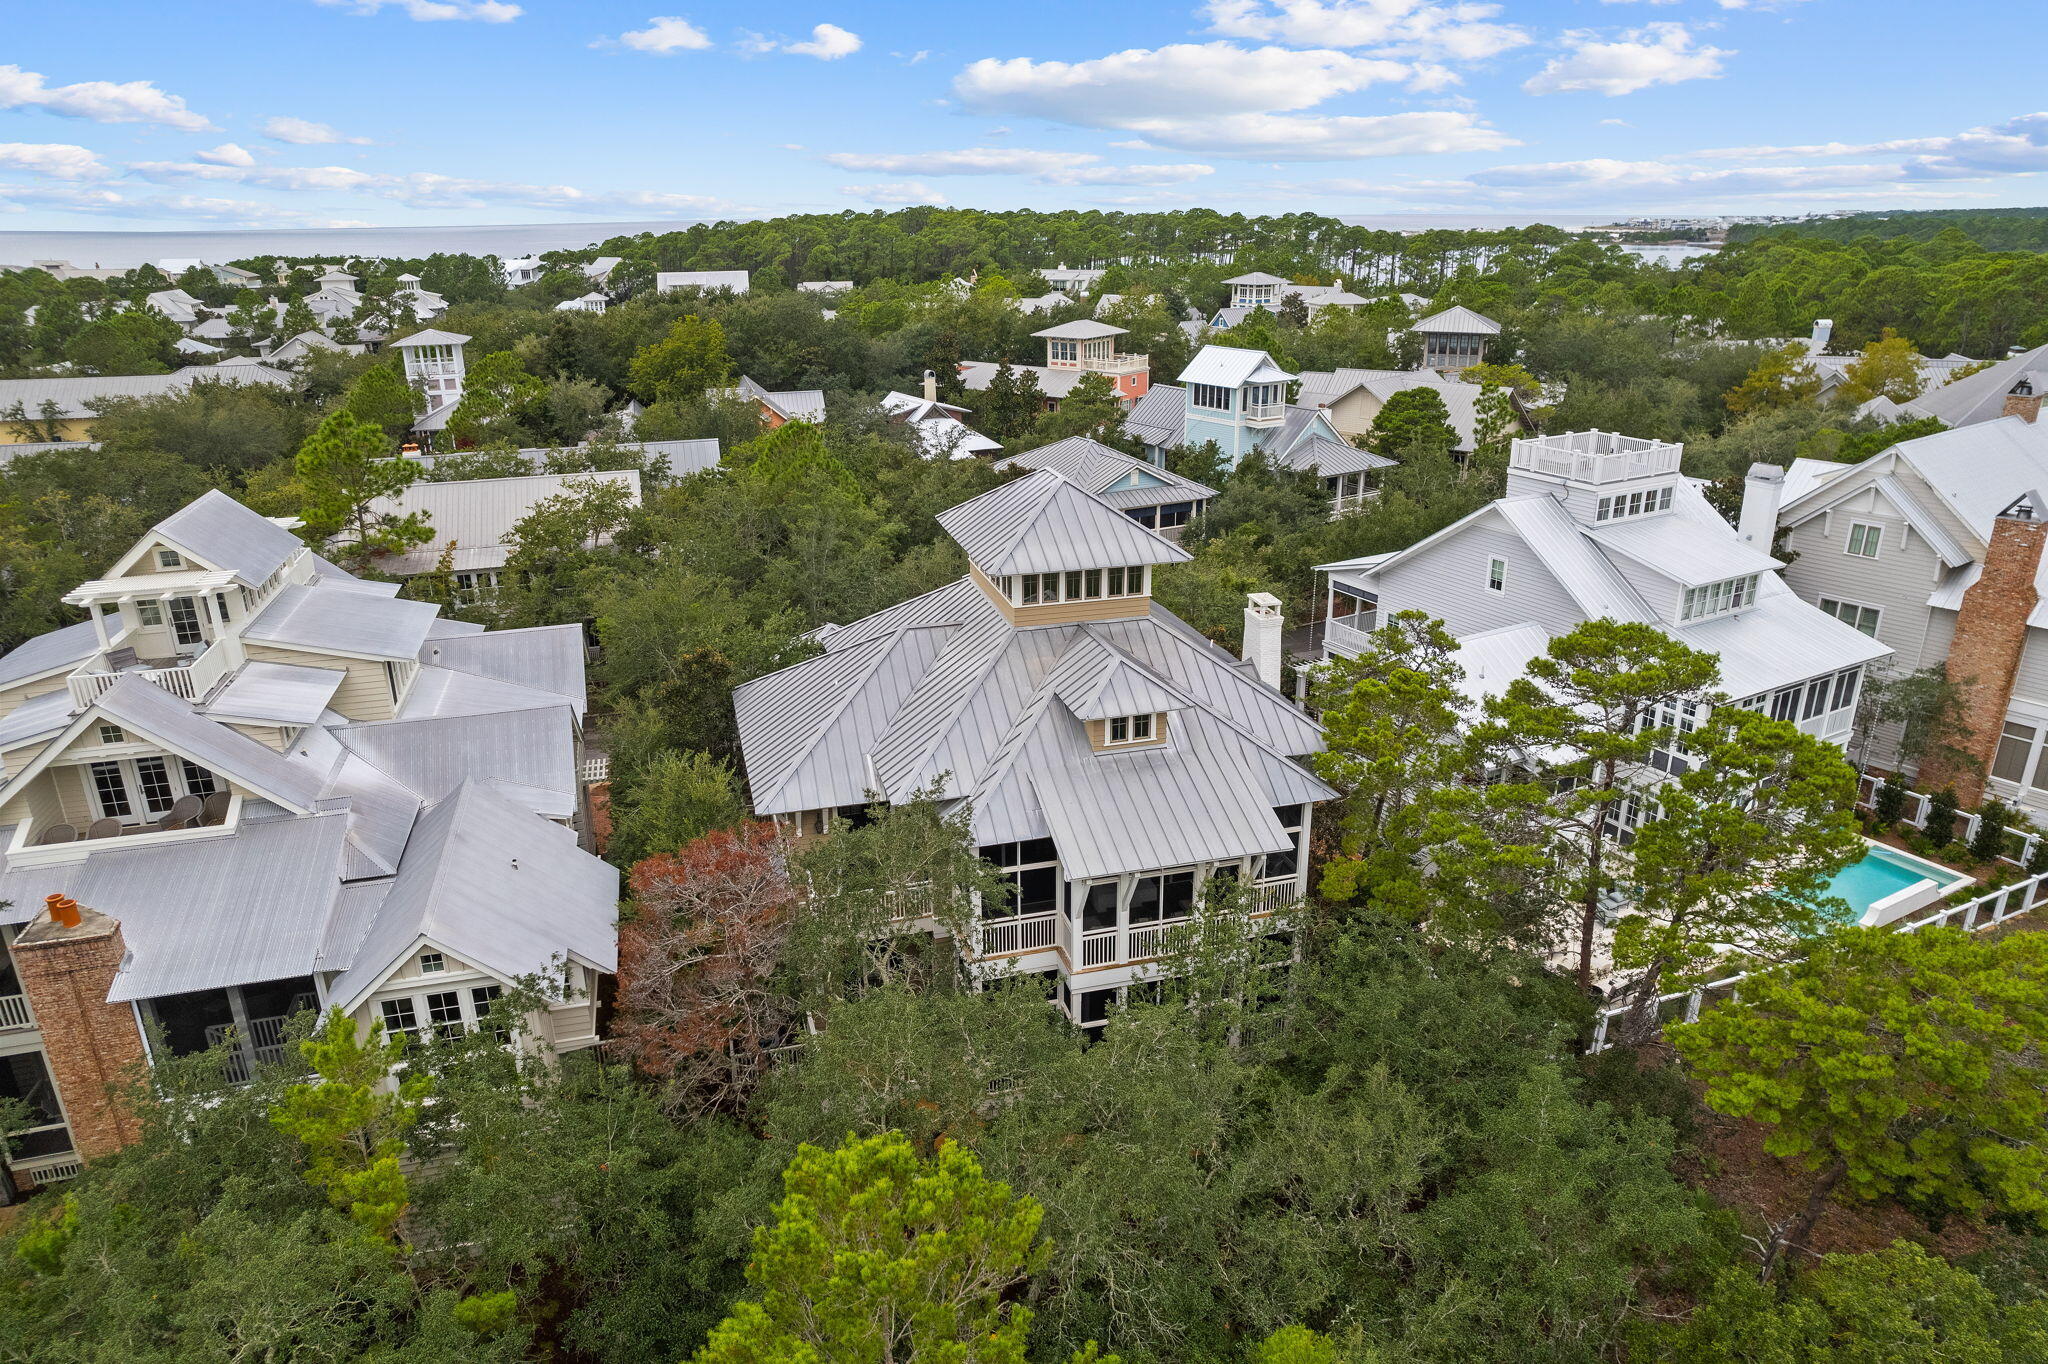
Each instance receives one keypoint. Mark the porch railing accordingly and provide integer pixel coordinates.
(2019, 844)
(264, 1043)
(1021, 933)
(1985, 911)
(14, 1014)
(191, 681)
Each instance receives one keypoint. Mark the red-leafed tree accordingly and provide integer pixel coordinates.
(698, 1003)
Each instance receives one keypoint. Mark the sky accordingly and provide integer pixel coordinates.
(155, 114)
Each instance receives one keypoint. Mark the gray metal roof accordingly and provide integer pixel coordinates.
(529, 754)
(1110, 474)
(36, 718)
(1682, 549)
(478, 515)
(1319, 454)
(341, 618)
(1459, 321)
(1042, 523)
(1778, 641)
(1978, 397)
(735, 280)
(225, 534)
(1083, 330)
(276, 693)
(976, 375)
(499, 888)
(1255, 277)
(74, 394)
(1231, 367)
(431, 337)
(547, 659)
(1461, 399)
(1160, 417)
(63, 648)
(145, 708)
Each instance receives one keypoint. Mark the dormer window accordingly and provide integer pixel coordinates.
(1639, 503)
(1128, 729)
(432, 963)
(1718, 599)
(169, 558)
(112, 734)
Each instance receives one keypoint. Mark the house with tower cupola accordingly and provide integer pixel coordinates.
(248, 784)
(1112, 761)
(434, 367)
(1072, 351)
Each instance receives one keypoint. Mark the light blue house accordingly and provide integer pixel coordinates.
(1238, 399)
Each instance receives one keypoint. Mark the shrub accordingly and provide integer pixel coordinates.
(1890, 801)
(1941, 817)
(1989, 842)
(1957, 854)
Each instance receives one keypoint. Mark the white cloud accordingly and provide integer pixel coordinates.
(1458, 30)
(100, 101)
(227, 154)
(1180, 81)
(437, 11)
(1130, 175)
(302, 132)
(1276, 137)
(664, 35)
(1657, 54)
(828, 43)
(2018, 146)
(965, 161)
(57, 160)
(1616, 123)
(898, 195)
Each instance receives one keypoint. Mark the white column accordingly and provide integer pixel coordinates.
(99, 624)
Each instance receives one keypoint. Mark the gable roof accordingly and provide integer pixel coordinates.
(492, 884)
(1326, 388)
(544, 658)
(1255, 277)
(1980, 397)
(478, 515)
(220, 531)
(1459, 321)
(340, 618)
(1106, 472)
(1043, 523)
(1160, 417)
(65, 649)
(1232, 367)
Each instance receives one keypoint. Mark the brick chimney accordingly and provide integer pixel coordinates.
(2025, 406)
(67, 959)
(1991, 634)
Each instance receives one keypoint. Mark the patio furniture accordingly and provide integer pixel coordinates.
(183, 812)
(104, 828)
(215, 809)
(122, 659)
(57, 833)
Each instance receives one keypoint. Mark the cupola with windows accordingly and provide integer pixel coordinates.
(1048, 552)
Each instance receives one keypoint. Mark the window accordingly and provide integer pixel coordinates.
(1263, 396)
(1816, 698)
(149, 612)
(444, 1011)
(1081, 584)
(220, 608)
(2015, 747)
(1281, 866)
(1864, 618)
(1129, 729)
(482, 998)
(1640, 503)
(1209, 397)
(198, 781)
(1496, 575)
(432, 963)
(1063, 352)
(1845, 688)
(1716, 599)
(399, 1018)
(111, 734)
(1175, 514)
(155, 780)
(1098, 907)
(110, 788)
(1864, 538)
(169, 558)
(1785, 705)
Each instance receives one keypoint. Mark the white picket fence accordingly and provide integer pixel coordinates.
(2019, 844)
(1986, 911)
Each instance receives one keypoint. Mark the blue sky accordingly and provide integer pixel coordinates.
(125, 114)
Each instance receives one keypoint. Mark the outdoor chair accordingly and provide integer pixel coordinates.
(104, 828)
(183, 813)
(215, 809)
(57, 833)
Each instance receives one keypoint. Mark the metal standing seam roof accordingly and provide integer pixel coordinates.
(976, 375)
(479, 514)
(1101, 470)
(1579, 567)
(1255, 277)
(36, 718)
(1461, 399)
(1321, 455)
(1083, 330)
(1459, 321)
(1160, 417)
(276, 693)
(707, 280)
(65, 648)
(1042, 523)
(146, 708)
(1232, 367)
(73, 394)
(339, 618)
(1778, 641)
(1978, 397)
(1682, 550)
(529, 754)
(498, 888)
(221, 531)
(431, 337)
(543, 658)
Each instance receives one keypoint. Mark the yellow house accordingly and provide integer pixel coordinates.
(39, 411)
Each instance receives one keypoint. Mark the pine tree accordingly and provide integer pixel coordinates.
(346, 467)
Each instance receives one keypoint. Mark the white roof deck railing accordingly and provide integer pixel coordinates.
(1596, 456)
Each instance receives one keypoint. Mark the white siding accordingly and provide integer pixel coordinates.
(1896, 582)
(1448, 580)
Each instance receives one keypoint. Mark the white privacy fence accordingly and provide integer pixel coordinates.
(1986, 911)
(2019, 844)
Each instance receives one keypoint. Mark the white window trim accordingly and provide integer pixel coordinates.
(1497, 575)
(1876, 613)
(1875, 540)
(1131, 736)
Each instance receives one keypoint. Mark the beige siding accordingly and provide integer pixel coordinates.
(2030, 679)
(364, 695)
(69, 785)
(1354, 413)
(1098, 735)
(1063, 613)
(39, 805)
(270, 736)
(11, 697)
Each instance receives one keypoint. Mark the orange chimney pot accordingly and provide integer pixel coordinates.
(63, 910)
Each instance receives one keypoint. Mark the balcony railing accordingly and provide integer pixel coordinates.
(1595, 456)
(264, 1042)
(1021, 933)
(14, 1014)
(191, 680)
(1111, 364)
(1264, 412)
(1349, 636)
(1101, 947)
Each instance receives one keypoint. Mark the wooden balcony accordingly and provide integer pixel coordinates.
(190, 679)
(14, 1014)
(1349, 636)
(1018, 933)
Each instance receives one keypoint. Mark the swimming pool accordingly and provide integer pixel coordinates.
(1886, 884)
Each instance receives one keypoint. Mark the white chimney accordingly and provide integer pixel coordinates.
(1761, 493)
(1262, 627)
(931, 387)
(1823, 331)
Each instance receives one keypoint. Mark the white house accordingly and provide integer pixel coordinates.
(435, 368)
(473, 520)
(1595, 525)
(1156, 498)
(709, 281)
(250, 783)
(939, 429)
